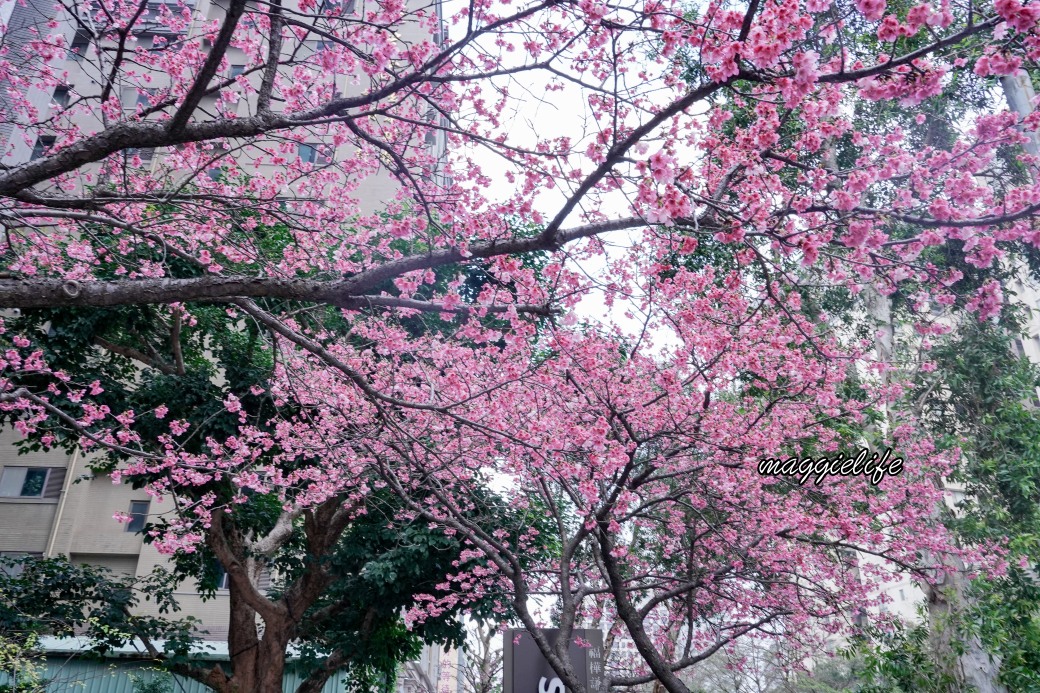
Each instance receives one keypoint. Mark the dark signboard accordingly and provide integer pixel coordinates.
(527, 671)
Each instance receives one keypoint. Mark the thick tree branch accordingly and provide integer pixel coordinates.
(316, 681)
(175, 343)
(222, 540)
(274, 50)
(51, 293)
(687, 662)
(24, 394)
(346, 293)
(628, 613)
(136, 355)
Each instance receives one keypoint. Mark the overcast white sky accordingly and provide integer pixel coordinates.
(538, 114)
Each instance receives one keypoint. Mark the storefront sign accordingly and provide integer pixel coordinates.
(527, 670)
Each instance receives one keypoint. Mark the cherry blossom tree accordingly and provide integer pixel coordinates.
(275, 123)
(647, 469)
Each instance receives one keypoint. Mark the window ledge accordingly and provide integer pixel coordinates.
(31, 500)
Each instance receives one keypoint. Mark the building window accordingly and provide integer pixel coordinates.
(153, 33)
(134, 98)
(138, 516)
(158, 42)
(12, 563)
(61, 96)
(312, 154)
(236, 70)
(145, 153)
(43, 144)
(336, 8)
(23, 482)
(79, 45)
(152, 17)
(31, 482)
(223, 582)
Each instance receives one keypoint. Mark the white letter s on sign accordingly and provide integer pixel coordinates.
(555, 686)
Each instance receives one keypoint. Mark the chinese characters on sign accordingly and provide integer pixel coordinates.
(527, 670)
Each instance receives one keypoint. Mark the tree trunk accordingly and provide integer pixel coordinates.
(262, 670)
(257, 654)
(974, 668)
(271, 662)
(1018, 91)
(879, 308)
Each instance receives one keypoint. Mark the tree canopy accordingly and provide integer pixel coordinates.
(243, 327)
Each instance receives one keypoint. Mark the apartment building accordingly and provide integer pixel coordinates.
(50, 502)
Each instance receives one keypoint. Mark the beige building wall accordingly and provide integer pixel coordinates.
(26, 522)
(86, 524)
(77, 522)
(213, 613)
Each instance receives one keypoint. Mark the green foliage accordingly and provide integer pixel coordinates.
(52, 596)
(980, 398)
(988, 397)
(381, 562)
(157, 683)
(900, 662)
(1008, 621)
(474, 276)
(21, 665)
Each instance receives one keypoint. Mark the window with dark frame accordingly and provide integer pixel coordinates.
(132, 98)
(138, 516)
(157, 42)
(79, 45)
(23, 482)
(336, 8)
(223, 582)
(308, 153)
(146, 154)
(43, 144)
(154, 34)
(312, 153)
(61, 96)
(31, 482)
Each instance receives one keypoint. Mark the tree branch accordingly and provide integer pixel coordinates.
(131, 353)
(209, 68)
(52, 293)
